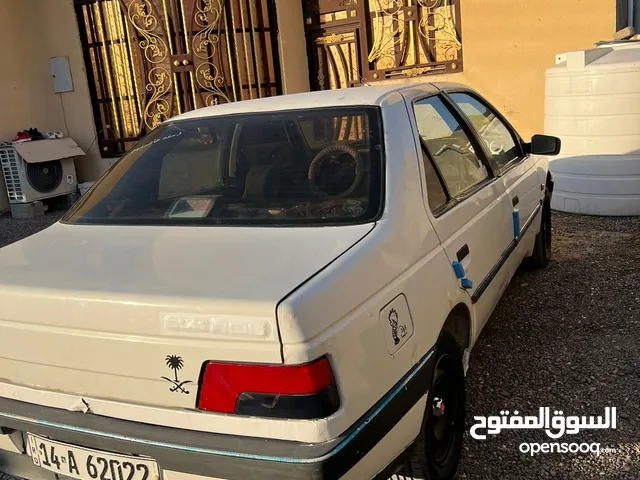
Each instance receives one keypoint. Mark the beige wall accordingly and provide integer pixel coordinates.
(20, 102)
(57, 21)
(508, 45)
(32, 31)
(292, 47)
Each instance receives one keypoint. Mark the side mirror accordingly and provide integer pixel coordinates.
(545, 145)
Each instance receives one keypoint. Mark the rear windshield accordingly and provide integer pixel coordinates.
(318, 166)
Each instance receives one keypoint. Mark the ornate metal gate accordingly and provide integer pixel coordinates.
(351, 42)
(148, 60)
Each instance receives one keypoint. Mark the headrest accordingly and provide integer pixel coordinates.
(260, 183)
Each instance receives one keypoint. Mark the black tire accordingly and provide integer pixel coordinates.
(435, 454)
(542, 248)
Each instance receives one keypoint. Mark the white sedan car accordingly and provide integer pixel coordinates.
(279, 288)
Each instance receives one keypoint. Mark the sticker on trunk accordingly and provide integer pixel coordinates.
(175, 363)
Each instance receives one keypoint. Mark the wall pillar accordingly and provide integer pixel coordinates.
(292, 46)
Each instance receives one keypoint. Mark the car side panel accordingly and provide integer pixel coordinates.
(479, 222)
(522, 181)
(482, 223)
(402, 255)
(356, 342)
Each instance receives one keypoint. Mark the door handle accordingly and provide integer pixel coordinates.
(459, 267)
(463, 252)
(515, 201)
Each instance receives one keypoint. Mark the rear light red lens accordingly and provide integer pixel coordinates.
(225, 386)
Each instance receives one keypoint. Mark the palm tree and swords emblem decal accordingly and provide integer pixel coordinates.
(175, 363)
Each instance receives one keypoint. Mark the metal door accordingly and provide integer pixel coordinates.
(148, 60)
(352, 42)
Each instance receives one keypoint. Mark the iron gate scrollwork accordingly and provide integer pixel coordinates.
(351, 42)
(148, 60)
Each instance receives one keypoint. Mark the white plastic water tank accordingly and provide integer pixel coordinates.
(593, 104)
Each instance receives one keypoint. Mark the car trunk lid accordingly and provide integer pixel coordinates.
(132, 313)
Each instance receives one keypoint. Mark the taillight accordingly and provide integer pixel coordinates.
(282, 391)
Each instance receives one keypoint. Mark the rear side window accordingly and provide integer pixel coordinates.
(449, 146)
(436, 195)
(495, 134)
(302, 167)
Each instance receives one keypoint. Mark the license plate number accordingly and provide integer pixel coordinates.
(87, 464)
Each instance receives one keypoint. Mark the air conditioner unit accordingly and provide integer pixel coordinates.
(38, 170)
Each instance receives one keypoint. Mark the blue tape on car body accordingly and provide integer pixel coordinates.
(516, 224)
(458, 269)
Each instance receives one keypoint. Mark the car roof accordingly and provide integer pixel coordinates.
(366, 95)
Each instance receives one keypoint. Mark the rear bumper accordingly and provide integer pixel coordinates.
(226, 456)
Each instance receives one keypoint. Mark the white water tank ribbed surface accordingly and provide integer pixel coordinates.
(593, 104)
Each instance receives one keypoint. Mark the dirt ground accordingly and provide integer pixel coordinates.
(565, 337)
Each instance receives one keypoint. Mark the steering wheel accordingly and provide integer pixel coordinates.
(335, 154)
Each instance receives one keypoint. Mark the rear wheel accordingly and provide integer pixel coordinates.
(542, 248)
(435, 455)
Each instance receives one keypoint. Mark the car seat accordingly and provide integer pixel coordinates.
(262, 183)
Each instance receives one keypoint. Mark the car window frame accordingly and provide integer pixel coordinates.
(514, 133)
(479, 149)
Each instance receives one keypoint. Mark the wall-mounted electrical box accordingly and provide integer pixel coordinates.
(61, 74)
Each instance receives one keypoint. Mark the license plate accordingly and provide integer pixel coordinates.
(86, 464)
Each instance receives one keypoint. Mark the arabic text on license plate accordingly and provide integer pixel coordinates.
(86, 464)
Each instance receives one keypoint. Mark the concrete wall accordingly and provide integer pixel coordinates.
(32, 31)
